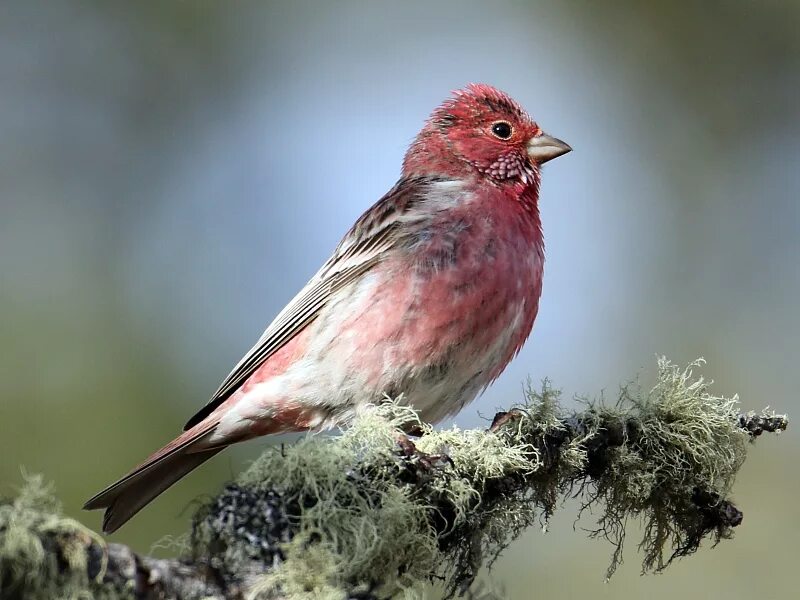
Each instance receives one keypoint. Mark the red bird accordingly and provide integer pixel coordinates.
(429, 295)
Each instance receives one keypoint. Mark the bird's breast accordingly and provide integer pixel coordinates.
(441, 318)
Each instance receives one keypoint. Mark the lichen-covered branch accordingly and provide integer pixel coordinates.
(375, 514)
(44, 555)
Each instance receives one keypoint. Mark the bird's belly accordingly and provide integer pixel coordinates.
(436, 339)
(435, 336)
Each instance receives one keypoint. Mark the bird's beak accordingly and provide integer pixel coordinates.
(543, 147)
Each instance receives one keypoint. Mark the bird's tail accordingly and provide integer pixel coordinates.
(133, 492)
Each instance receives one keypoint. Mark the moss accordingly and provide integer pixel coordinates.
(310, 573)
(355, 531)
(44, 555)
(680, 442)
(362, 515)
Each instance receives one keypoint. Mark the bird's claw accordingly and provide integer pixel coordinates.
(408, 449)
(504, 418)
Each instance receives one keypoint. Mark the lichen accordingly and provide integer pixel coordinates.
(365, 515)
(353, 515)
(372, 513)
(309, 573)
(46, 556)
(681, 441)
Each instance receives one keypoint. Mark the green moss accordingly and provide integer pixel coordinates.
(310, 573)
(681, 440)
(365, 516)
(350, 532)
(362, 522)
(358, 514)
(44, 555)
(480, 455)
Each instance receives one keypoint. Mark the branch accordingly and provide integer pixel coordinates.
(373, 514)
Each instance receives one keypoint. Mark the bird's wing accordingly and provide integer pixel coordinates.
(362, 248)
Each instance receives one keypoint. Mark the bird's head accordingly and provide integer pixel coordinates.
(481, 131)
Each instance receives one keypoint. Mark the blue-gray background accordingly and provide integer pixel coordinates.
(172, 172)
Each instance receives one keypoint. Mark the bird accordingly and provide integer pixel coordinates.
(427, 298)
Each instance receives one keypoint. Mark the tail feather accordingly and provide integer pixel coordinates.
(129, 495)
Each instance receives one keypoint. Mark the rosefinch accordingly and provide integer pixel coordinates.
(429, 295)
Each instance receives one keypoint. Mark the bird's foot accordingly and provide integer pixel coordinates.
(409, 450)
(407, 447)
(502, 419)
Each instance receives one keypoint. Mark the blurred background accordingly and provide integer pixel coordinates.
(171, 173)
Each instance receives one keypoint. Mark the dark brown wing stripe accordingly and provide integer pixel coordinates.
(361, 249)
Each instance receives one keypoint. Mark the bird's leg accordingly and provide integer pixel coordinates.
(408, 449)
(504, 418)
(414, 429)
(403, 438)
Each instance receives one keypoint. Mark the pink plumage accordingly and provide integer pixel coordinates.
(428, 297)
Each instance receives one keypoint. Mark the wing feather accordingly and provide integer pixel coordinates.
(359, 251)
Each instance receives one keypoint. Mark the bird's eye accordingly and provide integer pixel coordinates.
(502, 130)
